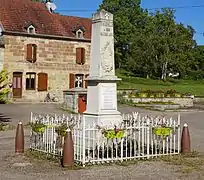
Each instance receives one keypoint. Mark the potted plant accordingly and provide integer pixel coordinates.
(61, 129)
(162, 131)
(112, 133)
(38, 127)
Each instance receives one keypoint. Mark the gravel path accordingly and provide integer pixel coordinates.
(9, 162)
(47, 170)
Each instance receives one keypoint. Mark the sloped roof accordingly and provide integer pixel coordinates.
(15, 15)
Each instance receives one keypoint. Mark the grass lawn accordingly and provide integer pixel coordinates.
(182, 86)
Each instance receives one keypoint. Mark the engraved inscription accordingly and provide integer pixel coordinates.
(108, 98)
(106, 31)
(106, 34)
(107, 23)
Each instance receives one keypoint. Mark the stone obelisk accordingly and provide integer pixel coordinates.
(102, 88)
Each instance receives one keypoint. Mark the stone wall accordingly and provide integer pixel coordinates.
(183, 102)
(70, 101)
(70, 98)
(198, 100)
(54, 57)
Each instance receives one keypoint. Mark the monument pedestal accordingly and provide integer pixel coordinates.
(102, 102)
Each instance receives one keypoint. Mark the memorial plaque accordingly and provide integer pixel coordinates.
(108, 95)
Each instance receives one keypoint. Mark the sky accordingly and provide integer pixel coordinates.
(185, 13)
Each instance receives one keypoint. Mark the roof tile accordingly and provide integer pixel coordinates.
(15, 15)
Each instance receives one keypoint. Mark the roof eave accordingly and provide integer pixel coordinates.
(45, 36)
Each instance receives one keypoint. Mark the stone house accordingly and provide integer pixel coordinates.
(42, 51)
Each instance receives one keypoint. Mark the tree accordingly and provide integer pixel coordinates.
(3, 85)
(150, 45)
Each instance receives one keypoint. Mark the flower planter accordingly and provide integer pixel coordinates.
(111, 134)
(38, 128)
(162, 131)
(61, 131)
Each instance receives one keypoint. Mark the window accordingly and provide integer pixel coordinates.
(31, 53)
(42, 81)
(31, 29)
(76, 81)
(79, 34)
(79, 80)
(80, 56)
(30, 81)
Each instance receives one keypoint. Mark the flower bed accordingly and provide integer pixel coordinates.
(156, 94)
(167, 97)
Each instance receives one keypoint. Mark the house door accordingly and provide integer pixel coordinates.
(17, 84)
(81, 103)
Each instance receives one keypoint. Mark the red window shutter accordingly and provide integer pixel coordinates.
(42, 82)
(29, 52)
(78, 56)
(83, 56)
(34, 48)
(71, 81)
(86, 82)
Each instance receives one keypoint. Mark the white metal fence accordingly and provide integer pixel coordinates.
(136, 137)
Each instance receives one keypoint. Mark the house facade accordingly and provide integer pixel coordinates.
(43, 52)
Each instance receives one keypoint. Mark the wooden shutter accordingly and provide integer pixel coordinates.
(82, 55)
(71, 81)
(29, 52)
(42, 81)
(78, 55)
(86, 82)
(34, 52)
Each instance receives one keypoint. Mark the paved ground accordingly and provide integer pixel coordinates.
(141, 171)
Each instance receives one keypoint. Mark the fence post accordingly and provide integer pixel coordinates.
(68, 150)
(83, 141)
(148, 136)
(179, 133)
(19, 139)
(185, 139)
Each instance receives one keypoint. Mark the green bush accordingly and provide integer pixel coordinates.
(195, 75)
(3, 86)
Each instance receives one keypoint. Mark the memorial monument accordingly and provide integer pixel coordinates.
(102, 89)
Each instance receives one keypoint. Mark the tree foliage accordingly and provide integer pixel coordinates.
(4, 90)
(152, 44)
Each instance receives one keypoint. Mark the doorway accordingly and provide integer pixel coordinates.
(82, 103)
(17, 84)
